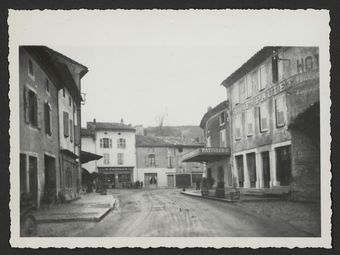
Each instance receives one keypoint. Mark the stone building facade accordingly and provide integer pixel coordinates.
(42, 75)
(266, 95)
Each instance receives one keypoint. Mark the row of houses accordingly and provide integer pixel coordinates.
(129, 157)
(266, 136)
(50, 117)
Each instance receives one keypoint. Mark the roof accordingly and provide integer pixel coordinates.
(85, 132)
(56, 70)
(150, 141)
(218, 108)
(165, 141)
(86, 156)
(248, 66)
(110, 126)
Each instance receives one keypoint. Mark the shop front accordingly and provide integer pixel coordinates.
(116, 177)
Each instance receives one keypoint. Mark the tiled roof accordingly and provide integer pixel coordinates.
(87, 132)
(165, 141)
(110, 126)
(218, 108)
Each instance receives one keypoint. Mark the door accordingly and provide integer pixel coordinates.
(283, 165)
(50, 179)
(251, 169)
(266, 169)
(171, 181)
(33, 179)
(220, 174)
(239, 165)
(150, 180)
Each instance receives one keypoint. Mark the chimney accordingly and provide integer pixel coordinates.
(209, 108)
(94, 121)
(121, 121)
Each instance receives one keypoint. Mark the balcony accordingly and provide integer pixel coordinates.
(206, 154)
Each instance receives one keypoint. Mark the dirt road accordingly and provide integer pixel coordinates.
(167, 213)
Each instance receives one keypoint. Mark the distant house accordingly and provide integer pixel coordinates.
(116, 143)
(43, 75)
(159, 161)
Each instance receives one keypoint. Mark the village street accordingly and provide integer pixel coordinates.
(167, 213)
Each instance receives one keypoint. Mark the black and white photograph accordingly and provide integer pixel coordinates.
(190, 128)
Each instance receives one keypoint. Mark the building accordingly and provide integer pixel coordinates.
(216, 152)
(116, 143)
(159, 162)
(271, 148)
(43, 74)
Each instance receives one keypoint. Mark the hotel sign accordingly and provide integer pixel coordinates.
(214, 150)
(276, 89)
(207, 151)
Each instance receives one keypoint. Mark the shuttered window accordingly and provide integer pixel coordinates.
(280, 111)
(31, 107)
(120, 158)
(105, 143)
(223, 138)
(48, 119)
(255, 79)
(249, 86)
(66, 123)
(121, 143)
(250, 122)
(106, 158)
(71, 131)
(238, 127)
(236, 94)
(263, 117)
(264, 77)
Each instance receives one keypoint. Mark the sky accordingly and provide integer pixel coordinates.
(143, 64)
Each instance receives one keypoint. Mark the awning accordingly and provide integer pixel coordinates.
(88, 156)
(207, 154)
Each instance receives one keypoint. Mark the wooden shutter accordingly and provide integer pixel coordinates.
(47, 118)
(76, 135)
(110, 141)
(156, 162)
(26, 106)
(101, 142)
(65, 122)
(71, 130)
(38, 112)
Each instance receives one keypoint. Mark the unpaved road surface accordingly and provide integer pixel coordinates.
(167, 213)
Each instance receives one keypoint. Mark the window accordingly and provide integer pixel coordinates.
(255, 79)
(120, 158)
(250, 122)
(170, 161)
(264, 77)
(275, 69)
(47, 86)
(152, 159)
(71, 131)
(66, 122)
(105, 143)
(223, 138)
(69, 101)
(238, 127)
(280, 111)
(236, 94)
(263, 117)
(121, 143)
(242, 88)
(208, 141)
(249, 86)
(48, 119)
(31, 107)
(222, 118)
(30, 69)
(106, 158)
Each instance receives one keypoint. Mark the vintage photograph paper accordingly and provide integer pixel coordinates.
(164, 128)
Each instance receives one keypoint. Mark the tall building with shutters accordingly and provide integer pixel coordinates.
(43, 75)
(115, 142)
(269, 97)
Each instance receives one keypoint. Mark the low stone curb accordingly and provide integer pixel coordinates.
(62, 219)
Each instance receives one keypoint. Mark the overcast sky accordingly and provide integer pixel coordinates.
(146, 63)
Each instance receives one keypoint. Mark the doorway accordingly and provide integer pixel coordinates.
(283, 165)
(239, 166)
(33, 178)
(266, 168)
(251, 169)
(171, 181)
(50, 179)
(150, 180)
